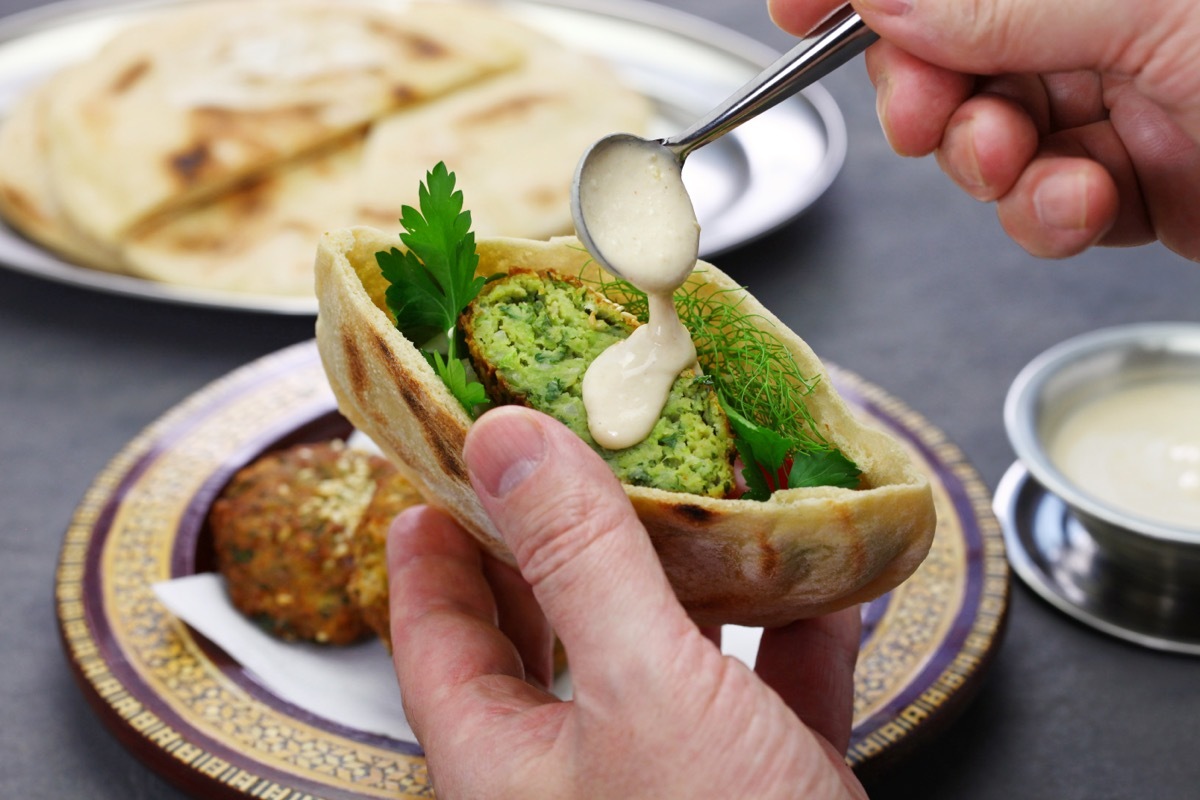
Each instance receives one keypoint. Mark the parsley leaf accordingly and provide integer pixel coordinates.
(764, 454)
(771, 462)
(452, 372)
(433, 280)
(823, 468)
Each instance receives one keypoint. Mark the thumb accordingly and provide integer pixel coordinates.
(997, 36)
(578, 543)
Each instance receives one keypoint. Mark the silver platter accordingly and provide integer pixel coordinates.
(747, 184)
(1052, 552)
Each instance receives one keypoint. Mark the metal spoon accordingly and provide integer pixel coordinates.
(840, 38)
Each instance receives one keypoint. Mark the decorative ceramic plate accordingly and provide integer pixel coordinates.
(202, 720)
(745, 185)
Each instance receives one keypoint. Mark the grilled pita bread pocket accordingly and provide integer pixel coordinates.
(800, 553)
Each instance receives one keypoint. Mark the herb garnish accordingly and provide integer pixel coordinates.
(434, 279)
(759, 384)
(773, 462)
(755, 377)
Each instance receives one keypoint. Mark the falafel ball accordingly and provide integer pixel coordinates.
(531, 337)
(368, 582)
(282, 530)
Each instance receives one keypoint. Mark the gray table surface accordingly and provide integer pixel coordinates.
(893, 274)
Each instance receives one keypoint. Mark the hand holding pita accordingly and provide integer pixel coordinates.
(657, 710)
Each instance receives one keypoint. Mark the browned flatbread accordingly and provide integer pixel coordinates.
(258, 238)
(512, 139)
(190, 102)
(803, 553)
(210, 144)
(27, 200)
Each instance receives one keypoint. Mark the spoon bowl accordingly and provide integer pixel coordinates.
(633, 213)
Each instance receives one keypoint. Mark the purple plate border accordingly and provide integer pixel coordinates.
(934, 696)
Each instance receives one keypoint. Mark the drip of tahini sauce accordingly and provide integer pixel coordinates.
(641, 218)
(1138, 448)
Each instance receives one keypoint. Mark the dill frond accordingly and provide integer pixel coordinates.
(750, 367)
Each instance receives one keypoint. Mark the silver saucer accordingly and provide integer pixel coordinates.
(1052, 552)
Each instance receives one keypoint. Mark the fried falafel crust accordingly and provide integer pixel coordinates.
(282, 531)
(368, 580)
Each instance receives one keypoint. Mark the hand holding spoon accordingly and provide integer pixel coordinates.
(630, 207)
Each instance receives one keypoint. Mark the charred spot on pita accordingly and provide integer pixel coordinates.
(129, 77)
(433, 421)
(403, 93)
(354, 364)
(546, 196)
(769, 558)
(511, 107)
(416, 44)
(191, 162)
(22, 203)
(693, 513)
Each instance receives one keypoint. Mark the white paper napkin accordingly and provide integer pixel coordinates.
(353, 686)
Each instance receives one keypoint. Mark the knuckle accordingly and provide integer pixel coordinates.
(1161, 54)
(991, 27)
(566, 533)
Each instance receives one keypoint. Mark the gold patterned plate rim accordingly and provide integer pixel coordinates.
(194, 715)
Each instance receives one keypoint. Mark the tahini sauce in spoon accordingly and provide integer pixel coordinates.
(640, 217)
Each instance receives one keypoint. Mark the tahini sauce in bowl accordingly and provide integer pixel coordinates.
(1137, 448)
(1109, 421)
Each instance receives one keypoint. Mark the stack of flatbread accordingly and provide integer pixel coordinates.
(212, 144)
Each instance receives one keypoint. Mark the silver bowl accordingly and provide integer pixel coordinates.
(1128, 575)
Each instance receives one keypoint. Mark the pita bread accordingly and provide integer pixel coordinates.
(27, 199)
(512, 140)
(187, 104)
(257, 238)
(86, 164)
(803, 553)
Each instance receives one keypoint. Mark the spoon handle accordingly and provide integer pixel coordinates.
(840, 38)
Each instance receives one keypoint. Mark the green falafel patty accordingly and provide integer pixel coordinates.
(531, 337)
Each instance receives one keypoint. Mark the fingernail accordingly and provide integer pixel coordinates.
(1060, 201)
(507, 447)
(894, 8)
(883, 95)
